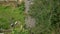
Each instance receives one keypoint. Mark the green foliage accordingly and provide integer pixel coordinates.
(10, 14)
(46, 13)
(21, 32)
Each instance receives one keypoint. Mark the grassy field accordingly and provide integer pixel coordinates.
(8, 15)
(46, 13)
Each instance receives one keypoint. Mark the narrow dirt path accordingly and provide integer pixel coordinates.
(30, 22)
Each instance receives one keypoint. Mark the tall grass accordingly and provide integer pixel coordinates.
(45, 12)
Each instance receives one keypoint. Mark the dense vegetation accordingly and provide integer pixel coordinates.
(9, 15)
(47, 15)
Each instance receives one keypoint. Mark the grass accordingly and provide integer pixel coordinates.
(45, 12)
(8, 15)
